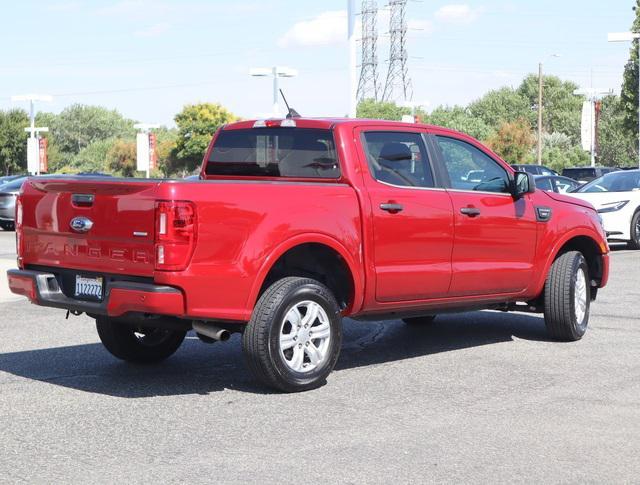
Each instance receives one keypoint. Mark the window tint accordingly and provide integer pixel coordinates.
(614, 182)
(398, 158)
(471, 169)
(544, 183)
(274, 152)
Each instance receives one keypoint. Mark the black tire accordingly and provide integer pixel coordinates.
(635, 231)
(142, 346)
(559, 297)
(7, 226)
(420, 321)
(261, 338)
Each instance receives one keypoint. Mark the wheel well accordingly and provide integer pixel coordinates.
(591, 252)
(319, 262)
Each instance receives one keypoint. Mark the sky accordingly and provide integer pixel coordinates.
(148, 58)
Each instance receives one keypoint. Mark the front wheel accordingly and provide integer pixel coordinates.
(635, 231)
(567, 297)
(140, 345)
(293, 339)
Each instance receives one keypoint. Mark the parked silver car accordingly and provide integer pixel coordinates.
(8, 193)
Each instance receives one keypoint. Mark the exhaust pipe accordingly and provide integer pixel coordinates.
(211, 331)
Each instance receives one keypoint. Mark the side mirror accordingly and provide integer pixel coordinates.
(523, 183)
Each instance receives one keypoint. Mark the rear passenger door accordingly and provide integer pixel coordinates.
(412, 218)
(495, 235)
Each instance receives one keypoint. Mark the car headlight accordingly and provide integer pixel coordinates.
(612, 206)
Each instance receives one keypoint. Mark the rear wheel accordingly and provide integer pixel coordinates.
(418, 321)
(293, 339)
(635, 231)
(567, 297)
(141, 345)
(7, 225)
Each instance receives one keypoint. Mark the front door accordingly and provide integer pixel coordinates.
(495, 235)
(412, 218)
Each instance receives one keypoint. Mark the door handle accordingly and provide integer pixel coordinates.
(392, 208)
(470, 211)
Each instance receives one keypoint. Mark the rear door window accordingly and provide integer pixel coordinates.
(398, 158)
(274, 152)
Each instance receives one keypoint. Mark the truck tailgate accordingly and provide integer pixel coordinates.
(119, 213)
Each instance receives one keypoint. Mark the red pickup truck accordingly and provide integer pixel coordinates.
(297, 223)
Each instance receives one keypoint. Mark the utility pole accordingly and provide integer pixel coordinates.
(631, 37)
(33, 147)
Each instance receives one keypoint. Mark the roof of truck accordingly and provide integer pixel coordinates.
(327, 123)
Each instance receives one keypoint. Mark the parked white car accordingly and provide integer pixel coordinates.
(616, 196)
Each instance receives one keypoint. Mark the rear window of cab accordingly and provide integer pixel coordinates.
(275, 152)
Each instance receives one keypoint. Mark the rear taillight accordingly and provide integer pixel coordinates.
(18, 228)
(176, 231)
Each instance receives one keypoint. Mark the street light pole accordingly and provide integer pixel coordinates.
(276, 72)
(540, 84)
(33, 162)
(630, 37)
(540, 89)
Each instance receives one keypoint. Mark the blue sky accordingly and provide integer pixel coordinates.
(148, 58)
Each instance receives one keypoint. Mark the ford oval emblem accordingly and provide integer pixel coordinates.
(81, 224)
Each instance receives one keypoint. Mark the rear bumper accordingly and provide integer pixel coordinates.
(120, 297)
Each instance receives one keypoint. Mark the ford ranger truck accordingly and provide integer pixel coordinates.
(296, 224)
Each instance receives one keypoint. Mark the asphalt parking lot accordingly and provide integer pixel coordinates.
(478, 397)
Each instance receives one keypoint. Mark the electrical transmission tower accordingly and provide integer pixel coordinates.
(368, 84)
(398, 75)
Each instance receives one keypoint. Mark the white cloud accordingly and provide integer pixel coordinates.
(460, 14)
(327, 28)
(153, 31)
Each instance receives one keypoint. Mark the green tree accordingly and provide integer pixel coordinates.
(78, 126)
(196, 125)
(92, 158)
(122, 158)
(561, 108)
(13, 141)
(501, 105)
(616, 145)
(629, 93)
(513, 141)
(380, 110)
(460, 119)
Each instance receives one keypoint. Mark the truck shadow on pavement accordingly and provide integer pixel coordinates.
(201, 369)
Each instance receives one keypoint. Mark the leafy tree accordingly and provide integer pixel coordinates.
(93, 158)
(561, 108)
(557, 158)
(13, 141)
(617, 146)
(629, 94)
(380, 110)
(196, 125)
(77, 126)
(513, 141)
(501, 105)
(460, 119)
(122, 158)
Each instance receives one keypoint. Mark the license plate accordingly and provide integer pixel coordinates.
(89, 287)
